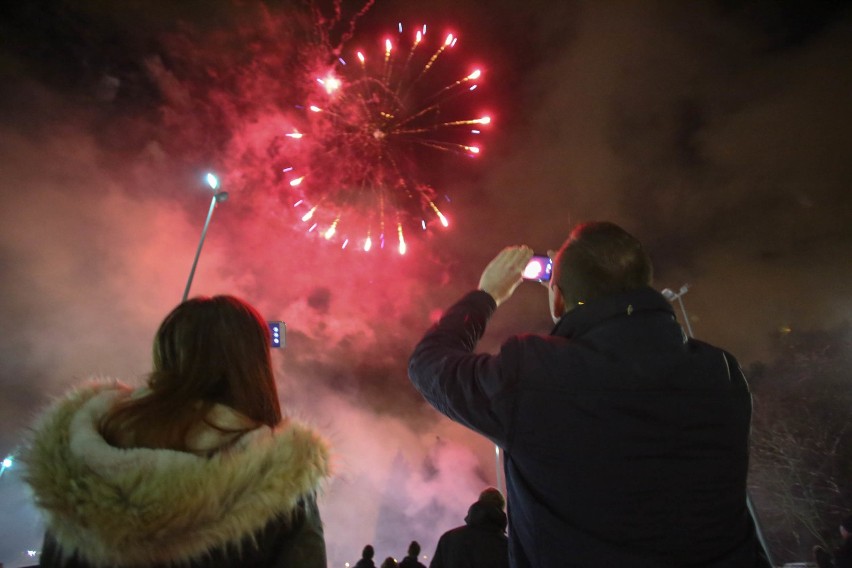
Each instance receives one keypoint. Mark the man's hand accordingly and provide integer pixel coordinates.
(503, 274)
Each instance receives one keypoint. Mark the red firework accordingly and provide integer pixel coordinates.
(361, 146)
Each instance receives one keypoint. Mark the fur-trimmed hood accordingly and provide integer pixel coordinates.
(125, 507)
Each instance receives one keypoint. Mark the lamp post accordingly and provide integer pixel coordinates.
(671, 296)
(7, 462)
(501, 485)
(218, 197)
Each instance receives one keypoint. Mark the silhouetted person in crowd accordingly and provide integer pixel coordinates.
(842, 557)
(481, 542)
(389, 563)
(626, 443)
(367, 558)
(199, 468)
(411, 560)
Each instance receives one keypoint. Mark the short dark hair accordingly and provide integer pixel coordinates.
(599, 259)
(414, 548)
(368, 552)
(492, 496)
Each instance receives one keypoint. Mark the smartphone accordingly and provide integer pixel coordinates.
(277, 334)
(538, 269)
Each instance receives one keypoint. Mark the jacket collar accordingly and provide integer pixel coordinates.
(582, 318)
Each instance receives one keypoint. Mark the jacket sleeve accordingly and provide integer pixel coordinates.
(438, 557)
(472, 389)
(304, 545)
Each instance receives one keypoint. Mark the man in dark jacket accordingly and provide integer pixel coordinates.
(481, 542)
(625, 442)
(366, 560)
(411, 560)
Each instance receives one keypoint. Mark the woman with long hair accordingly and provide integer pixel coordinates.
(199, 468)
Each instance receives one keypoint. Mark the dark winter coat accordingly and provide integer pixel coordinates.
(410, 562)
(626, 444)
(250, 506)
(480, 543)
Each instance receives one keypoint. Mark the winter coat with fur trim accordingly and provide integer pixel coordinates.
(252, 504)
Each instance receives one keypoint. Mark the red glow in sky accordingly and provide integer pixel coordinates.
(723, 147)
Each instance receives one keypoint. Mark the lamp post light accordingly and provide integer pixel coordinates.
(218, 197)
(7, 463)
(671, 296)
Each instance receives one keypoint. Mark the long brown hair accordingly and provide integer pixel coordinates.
(207, 351)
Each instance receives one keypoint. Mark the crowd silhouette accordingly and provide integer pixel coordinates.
(479, 543)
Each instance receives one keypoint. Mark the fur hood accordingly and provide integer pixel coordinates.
(140, 506)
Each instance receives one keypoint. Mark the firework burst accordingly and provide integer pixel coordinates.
(367, 135)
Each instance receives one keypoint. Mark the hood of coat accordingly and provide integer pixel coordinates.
(486, 515)
(145, 506)
(582, 318)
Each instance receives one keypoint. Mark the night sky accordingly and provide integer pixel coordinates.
(717, 132)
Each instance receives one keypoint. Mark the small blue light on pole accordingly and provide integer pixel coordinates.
(218, 197)
(212, 181)
(7, 463)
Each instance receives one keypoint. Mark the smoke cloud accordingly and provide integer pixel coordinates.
(717, 134)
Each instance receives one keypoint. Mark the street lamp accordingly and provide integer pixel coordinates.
(218, 197)
(501, 485)
(671, 296)
(7, 463)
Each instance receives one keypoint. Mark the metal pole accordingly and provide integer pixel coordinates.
(685, 316)
(216, 197)
(671, 296)
(501, 486)
(758, 529)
